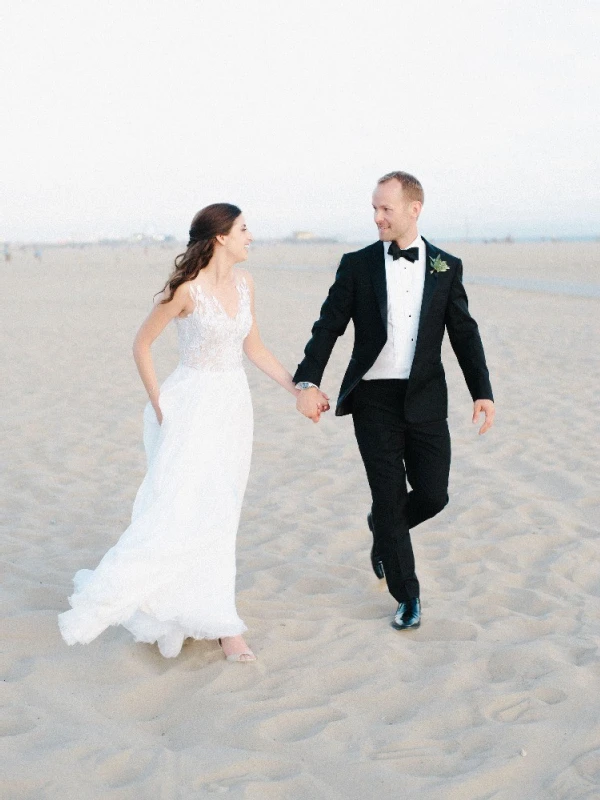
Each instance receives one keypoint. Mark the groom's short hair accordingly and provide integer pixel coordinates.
(410, 185)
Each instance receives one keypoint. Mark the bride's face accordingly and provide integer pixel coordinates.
(237, 240)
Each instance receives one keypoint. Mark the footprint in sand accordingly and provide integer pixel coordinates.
(348, 677)
(318, 585)
(522, 708)
(154, 699)
(501, 667)
(116, 767)
(371, 611)
(297, 630)
(524, 601)
(15, 722)
(505, 664)
(293, 726)
(583, 656)
(250, 772)
(441, 630)
(420, 758)
(558, 486)
(19, 670)
(550, 696)
(588, 766)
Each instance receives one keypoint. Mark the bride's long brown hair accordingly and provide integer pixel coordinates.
(212, 221)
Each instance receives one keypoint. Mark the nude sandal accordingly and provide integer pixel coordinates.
(243, 657)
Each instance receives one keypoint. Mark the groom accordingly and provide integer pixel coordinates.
(402, 294)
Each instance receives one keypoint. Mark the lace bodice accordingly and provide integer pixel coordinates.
(209, 339)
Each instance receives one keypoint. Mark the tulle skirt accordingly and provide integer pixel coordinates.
(171, 575)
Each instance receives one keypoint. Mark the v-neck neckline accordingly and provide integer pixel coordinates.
(218, 303)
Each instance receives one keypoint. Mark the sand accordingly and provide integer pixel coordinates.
(495, 697)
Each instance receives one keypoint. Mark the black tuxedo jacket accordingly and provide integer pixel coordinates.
(359, 293)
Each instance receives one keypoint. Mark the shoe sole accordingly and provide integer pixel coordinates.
(370, 524)
(405, 627)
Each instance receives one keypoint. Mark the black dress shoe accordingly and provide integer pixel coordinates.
(376, 561)
(408, 615)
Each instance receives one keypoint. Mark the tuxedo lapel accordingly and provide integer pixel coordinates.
(377, 272)
(430, 285)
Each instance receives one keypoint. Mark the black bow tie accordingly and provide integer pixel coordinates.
(395, 252)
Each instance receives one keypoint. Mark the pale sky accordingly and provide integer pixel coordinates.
(130, 115)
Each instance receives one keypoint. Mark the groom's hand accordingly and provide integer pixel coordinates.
(312, 402)
(486, 407)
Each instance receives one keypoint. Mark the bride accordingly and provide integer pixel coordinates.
(171, 575)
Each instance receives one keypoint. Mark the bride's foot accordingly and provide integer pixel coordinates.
(236, 649)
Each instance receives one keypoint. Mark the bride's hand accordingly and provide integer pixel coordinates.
(158, 412)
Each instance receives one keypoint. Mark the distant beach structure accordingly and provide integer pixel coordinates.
(309, 237)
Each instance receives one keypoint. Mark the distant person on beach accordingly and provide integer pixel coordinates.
(7, 253)
(37, 254)
(171, 575)
(402, 293)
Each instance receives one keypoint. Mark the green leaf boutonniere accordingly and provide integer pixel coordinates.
(438, 265)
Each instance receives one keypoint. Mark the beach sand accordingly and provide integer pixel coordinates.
(495, 697)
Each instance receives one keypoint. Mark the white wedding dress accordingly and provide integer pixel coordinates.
(171, 575)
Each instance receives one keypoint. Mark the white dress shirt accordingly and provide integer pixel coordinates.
(405, 281)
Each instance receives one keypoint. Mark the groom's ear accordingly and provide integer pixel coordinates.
(416, 208)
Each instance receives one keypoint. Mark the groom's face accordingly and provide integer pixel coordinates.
(395, 214)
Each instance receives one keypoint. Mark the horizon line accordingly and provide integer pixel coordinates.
(146, 240)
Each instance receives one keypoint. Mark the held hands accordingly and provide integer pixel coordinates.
(486, 407)
(312, 402)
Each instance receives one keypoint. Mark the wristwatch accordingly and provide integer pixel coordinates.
(306, 385)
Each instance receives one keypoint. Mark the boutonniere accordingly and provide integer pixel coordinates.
(438, 265)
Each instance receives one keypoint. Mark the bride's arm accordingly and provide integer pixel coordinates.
(261, 356)
(154, 324)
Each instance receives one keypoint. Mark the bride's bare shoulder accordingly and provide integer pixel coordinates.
(163, 297)
(184, 289)
(179, 302)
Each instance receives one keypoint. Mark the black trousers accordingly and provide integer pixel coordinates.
(393, 451)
